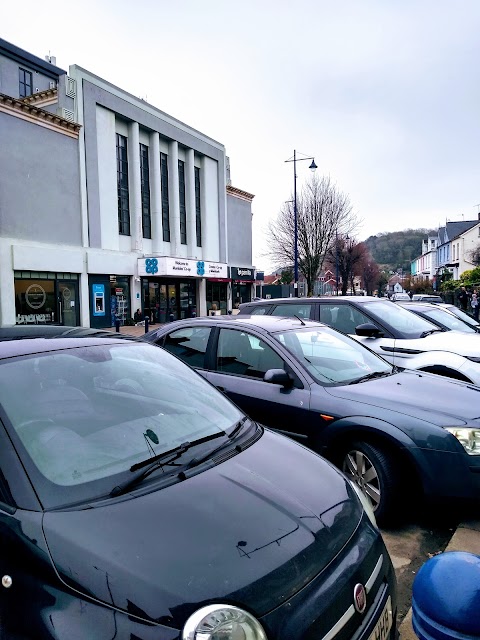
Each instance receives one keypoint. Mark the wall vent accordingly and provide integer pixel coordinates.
(71, 87)
(66, 114)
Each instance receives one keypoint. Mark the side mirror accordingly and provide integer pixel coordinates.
(368, 330)
(278, 376)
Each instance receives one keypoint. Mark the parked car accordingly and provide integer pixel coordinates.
(138, 502)
(461, 314)
(400, 296)
(396, 433)
(401, 337)
(439, 316)
(425, 297)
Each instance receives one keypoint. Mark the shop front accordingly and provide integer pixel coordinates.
(43, 297)
(109, 300)
(170, 286)
(243, 279)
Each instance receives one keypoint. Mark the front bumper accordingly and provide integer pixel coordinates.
(324, 609)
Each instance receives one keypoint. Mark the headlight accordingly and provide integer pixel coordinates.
(468, 438)
(222, 622)
(365, 502)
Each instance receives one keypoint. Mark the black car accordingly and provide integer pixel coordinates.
(137, 502)
(395, 432)
(439, 316)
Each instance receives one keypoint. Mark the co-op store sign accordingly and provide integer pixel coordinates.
(181, 267)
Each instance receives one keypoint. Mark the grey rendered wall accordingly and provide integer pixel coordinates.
(239, 217)
(9, 84)
(39, 183)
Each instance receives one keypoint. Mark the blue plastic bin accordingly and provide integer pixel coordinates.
(446, 598)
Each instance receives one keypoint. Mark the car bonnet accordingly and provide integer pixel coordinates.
(246, 531)
(429, 397)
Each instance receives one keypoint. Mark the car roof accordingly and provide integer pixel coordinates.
(261, 303)
(21, 332)
(270, 324)
(418, 304)
(30, 346)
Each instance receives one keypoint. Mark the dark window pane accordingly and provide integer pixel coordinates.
(165, 201)
(190, 345)
(122, 187)
(244, 354)
(198, 211)
(145, 192)
(183, 210)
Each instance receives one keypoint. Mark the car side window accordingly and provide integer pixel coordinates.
(244, 354)
(258, 311)
(189, 344)
(304, 311)
(342, 317)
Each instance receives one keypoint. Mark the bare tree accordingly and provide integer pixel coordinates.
(349, 256)
(323, 213)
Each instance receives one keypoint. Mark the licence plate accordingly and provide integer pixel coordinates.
(384, 623)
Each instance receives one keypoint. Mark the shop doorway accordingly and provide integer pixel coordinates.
(67, 301)
(169, 300)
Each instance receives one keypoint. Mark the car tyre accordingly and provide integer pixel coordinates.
(373, 469)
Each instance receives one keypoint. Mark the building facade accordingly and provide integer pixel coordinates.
(110, 206)
(40, 216)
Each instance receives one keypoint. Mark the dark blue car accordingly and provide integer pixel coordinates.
(138, 503)
(397, 433)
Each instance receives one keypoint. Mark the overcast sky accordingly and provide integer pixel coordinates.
(384, 93)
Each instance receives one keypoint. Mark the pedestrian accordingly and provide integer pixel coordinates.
(463, 299)
(474, 303)
(137, 316)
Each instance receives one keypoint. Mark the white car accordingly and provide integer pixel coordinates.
(400, 296)
(400, 336)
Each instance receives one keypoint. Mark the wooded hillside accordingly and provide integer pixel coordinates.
(396, 250)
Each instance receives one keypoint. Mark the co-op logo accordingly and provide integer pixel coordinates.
(244, 272)
(151, 265)
(200, 268)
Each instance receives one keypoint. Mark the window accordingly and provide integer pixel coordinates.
(181, 194)
(244, 354)
(198, 210)
(304, 311)
(24, 83)
(165, 203)
(190, 345)
(122, 187)
(145, 189)
(258, 311)
(342, 317)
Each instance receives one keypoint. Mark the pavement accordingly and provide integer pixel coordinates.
(465, 538)
(137, 330)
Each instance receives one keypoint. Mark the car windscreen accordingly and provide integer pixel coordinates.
(398, 319)
(448, 320)
(86, 414)
(463, 316)
(330, 357)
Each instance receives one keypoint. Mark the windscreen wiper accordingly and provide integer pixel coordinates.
(371, 376)
(158, 462)
(194, 462)
(427, 333)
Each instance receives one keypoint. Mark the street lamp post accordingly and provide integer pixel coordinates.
(336, 262)
(312, 166)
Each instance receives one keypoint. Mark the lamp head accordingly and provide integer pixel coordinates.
(313, 166)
